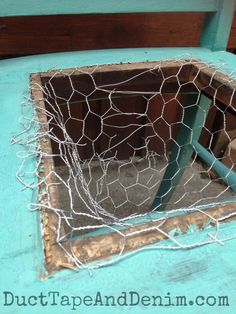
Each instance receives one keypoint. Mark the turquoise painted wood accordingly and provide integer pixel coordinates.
(194, 117)
(226, 174)
(44, 7)
(208, 270)
(217, 26)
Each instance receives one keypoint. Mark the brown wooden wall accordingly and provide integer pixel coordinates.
(134, 121)
(32, 35)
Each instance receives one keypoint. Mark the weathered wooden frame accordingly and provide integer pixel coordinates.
(100, 247)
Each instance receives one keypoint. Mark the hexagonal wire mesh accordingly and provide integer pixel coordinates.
(117, 158)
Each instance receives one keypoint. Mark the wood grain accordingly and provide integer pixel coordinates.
(32, 35)
(43, 34)
(232, 37)
(135, 237)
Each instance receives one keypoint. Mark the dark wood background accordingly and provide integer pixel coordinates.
(21, 36)
(43, 34)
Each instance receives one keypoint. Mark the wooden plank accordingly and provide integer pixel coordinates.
(135, 237)
(193, 120)
(44, 7)
(47, 182)
(34, 35)
(232, 37)
(137, 77)
(215, 84)
(217, 26)
(169, 67)
(81, 32)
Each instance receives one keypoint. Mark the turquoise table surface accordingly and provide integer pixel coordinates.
(204, 271)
